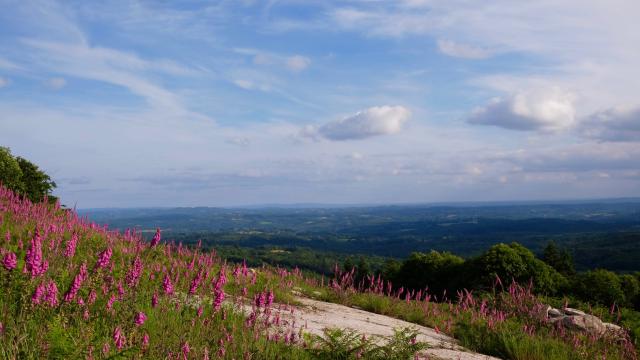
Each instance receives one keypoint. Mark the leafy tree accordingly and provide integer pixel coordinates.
(10, 172)
(390, 269)
(599, 286)
(438, 271)
(24, 177)
(37, 184)
(347, 265)
(559, 259)
(514, 262)
(631, 289)
(362, 270)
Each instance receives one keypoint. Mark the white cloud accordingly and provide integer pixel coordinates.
(615, 124)
(56, 83)
(466, 51)
(551, 110)
(3, 82)
(298, 63)
(374, 121)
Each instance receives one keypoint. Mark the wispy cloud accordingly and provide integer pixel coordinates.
(109, 66)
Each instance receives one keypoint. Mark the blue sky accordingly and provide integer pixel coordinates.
(218, 103)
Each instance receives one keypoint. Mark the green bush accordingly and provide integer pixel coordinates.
(599, 286)
(439, 271)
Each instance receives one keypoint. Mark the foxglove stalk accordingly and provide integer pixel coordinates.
(10, 261)
(77, 283)
(51, 294)
(70, 250)
(34, 261)
(118, 338)
(133, 276)
(167, 285)
(103, 258)
(154, 300)
(36, 298)
(156, 238)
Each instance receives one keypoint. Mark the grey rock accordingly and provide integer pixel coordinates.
(555, 313)
(585, 323)
(570, 311)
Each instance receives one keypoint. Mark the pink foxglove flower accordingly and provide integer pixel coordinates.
(103, 258)
(70, 250)
(156, 238)
(51, 294)
(140, 318)
(77, 283)
(34, 261)
(133, 276)
(270, 298)
(36, 298)
(195, 283)
(118, 338)
(168, 286)
(185, 350)
(10, 261)
(112, 299)
(92, 297)
(145, 340)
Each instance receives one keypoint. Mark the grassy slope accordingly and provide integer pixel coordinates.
(100, 320)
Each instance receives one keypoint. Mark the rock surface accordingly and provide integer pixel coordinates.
(318, 315)
(580, 321)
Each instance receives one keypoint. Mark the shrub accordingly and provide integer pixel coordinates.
(599, 286)
(435, 270)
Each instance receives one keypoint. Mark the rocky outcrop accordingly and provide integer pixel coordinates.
(577, 320)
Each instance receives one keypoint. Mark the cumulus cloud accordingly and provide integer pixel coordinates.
(614, 124)
(455, 49)
(549, 111)
(374, 121)
(298, 63)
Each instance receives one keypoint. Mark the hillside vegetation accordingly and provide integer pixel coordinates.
(74, 289)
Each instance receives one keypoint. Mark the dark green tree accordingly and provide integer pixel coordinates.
(36, 184)
(24, 177)
(599, 286)
(631, 289)
(390, 269)
(362, 270)
(347, 265)
(438, 271)
(10, 172)
(559, 259)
